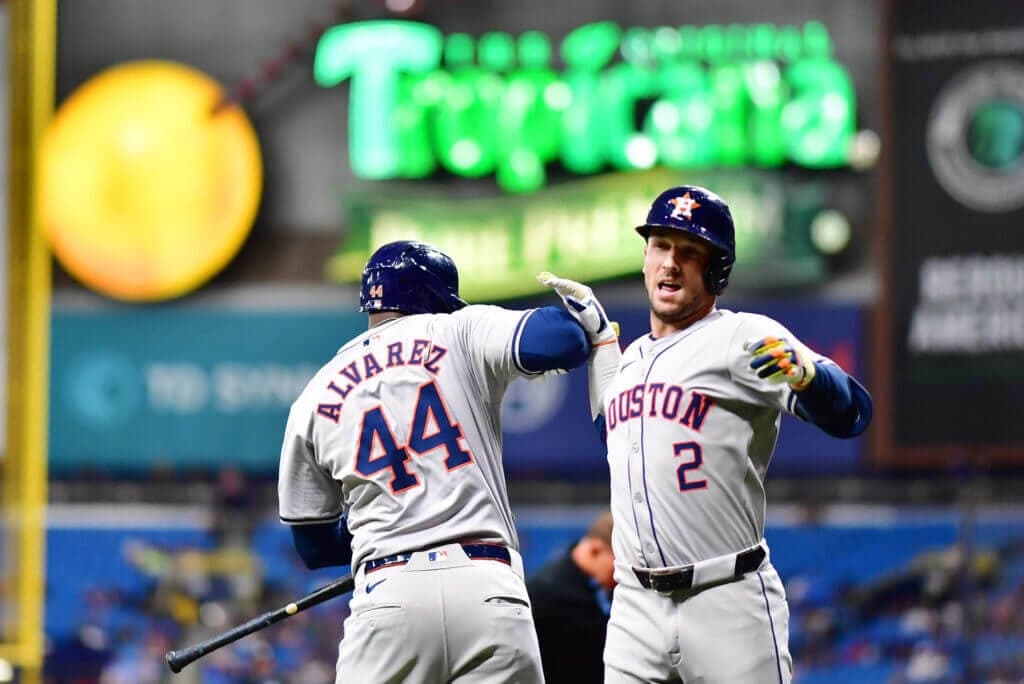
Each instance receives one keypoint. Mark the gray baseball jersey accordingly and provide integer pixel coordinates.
(400, 432)
(690, 433)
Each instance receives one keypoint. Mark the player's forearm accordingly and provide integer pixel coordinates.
(835, 402)
(323, 545)
(602, 367)
(552, 340)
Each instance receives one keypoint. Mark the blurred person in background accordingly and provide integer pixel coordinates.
(571, 598)
(690, 413)
(392, 463)
(234, 508)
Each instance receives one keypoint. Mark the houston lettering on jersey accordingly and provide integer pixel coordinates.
(417, 353)
(658, 400)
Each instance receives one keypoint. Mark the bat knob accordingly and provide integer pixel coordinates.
(172, 661)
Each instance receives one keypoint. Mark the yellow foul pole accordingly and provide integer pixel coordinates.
(32, 41)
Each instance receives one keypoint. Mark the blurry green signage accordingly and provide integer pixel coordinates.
(689, 97)
(583, 230)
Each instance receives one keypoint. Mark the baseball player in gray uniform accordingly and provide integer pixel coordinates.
(392, 463)
(690, 414)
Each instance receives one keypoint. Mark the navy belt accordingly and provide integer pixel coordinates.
(479, 551)
(677, 579)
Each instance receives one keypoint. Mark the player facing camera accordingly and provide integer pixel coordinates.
(690, 415)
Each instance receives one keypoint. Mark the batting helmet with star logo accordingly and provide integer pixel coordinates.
(703, 214)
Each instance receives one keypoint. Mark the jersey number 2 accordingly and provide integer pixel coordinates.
(379, 450)
(694, 463)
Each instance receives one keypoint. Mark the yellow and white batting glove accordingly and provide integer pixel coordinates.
(584, 307)
(776, 359)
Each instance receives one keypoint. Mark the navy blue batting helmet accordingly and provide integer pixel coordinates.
(410, 277)
(703, 214)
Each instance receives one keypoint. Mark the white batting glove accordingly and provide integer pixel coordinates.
(776, 359)
(584, 307)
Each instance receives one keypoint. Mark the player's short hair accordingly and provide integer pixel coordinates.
(601, 528)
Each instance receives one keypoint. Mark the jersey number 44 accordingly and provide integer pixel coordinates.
(431, 428)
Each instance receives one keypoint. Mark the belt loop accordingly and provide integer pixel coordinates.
(517, 563)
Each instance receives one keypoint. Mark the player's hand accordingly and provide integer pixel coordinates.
(776, 359)
(584, 307)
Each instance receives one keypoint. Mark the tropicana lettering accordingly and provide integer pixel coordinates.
(691, 97)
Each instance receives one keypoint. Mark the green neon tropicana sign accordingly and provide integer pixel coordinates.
(682, 98)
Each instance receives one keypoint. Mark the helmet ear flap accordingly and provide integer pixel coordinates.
(716, 275)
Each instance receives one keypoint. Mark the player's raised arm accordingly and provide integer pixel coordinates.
(552, 340)
(603, 335)
(509, 343)
(823, 393)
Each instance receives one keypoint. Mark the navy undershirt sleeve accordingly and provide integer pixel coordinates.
(835, 402)
(323, 545)
(552, 339)
(602, 429)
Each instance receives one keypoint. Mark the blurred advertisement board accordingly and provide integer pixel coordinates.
(953, 328)
(583, 230)
(136, 389)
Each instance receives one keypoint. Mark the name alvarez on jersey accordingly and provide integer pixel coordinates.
(421, 353)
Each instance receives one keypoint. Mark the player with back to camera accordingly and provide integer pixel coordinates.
(392, 463)
(690, 413)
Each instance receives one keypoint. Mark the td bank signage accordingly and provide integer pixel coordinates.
(626, 99)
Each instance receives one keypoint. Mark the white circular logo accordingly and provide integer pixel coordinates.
(530, 404)
(976, 137)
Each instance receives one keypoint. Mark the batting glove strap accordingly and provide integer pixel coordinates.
(580, 301)
(776, 359)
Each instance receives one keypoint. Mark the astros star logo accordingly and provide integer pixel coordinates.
(684, 206)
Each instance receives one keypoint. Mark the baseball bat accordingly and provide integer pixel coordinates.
(176, 660)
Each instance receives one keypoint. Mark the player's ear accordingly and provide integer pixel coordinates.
(594, 547)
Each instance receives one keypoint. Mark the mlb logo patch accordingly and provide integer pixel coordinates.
(437, 556)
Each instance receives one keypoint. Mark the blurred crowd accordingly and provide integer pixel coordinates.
(948, 616)
(184, 594)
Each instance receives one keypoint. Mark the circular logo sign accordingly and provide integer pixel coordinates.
(530, 404)
(103, 389)
(976, 137)
(149, 181)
